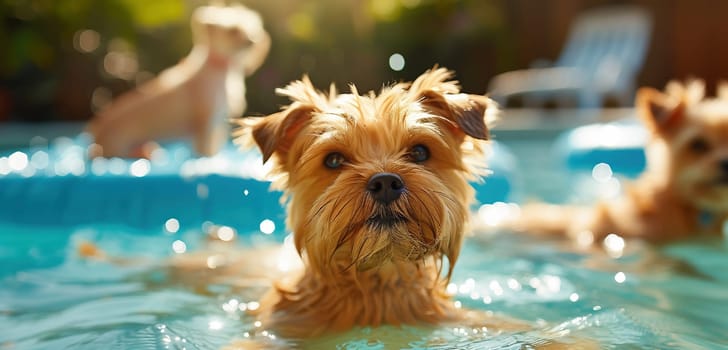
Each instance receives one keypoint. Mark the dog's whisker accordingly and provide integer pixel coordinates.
(444, 195)
(338, 245)
(351, 264)
(358, 253)
(426, 221)
(409, 253)
(335, 217)
(347, 233)
(315, 214)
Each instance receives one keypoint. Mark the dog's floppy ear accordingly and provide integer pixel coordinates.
(276, 132)
(659, 112)
(467, 113)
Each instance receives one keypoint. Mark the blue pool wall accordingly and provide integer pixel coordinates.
(228, 189)
(223, 190)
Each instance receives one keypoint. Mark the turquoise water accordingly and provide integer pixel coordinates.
(646, 298)
(670, 298)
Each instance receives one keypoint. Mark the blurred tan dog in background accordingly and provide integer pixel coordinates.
(193, 100)
(378, 197)
(682, 193)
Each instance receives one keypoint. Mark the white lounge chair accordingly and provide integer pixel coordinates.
(603, 54)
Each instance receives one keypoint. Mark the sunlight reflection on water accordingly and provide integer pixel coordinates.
(563, 293)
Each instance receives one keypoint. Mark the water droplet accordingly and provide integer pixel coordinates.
(396, 62)
(171, 225)
(18, 161)
(614, 245)
(253, 305)
(602, 172)
(179, 247)
(140, 167)
(4, 166)
(225, 233)
(39, 160)
(267, 226)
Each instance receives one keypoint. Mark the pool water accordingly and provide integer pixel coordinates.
(668, 298)
(641, 297)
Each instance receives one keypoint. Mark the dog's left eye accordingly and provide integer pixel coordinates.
(699, 145)
(419, 153)
(334, 160)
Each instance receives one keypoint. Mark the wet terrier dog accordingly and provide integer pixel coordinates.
(378, 198)
(684, 190)
(194, 99)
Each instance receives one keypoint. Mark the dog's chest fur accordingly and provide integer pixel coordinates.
(395, 294)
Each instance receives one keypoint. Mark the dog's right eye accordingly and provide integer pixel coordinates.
(419, 153)
(334, 160)
(699, 145)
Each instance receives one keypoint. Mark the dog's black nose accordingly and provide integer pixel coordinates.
(385, 187)
(723, 165)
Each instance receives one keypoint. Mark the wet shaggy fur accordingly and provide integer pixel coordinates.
(682, 193)
(361, 269)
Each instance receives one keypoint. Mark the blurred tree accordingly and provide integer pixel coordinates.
(63, 57)
(44, 75)
(353, 40)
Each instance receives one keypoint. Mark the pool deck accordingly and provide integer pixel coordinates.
(557, 119)
(511, 120)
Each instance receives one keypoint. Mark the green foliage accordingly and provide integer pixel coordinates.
(154, 13)
(346, 41)
(38, 31)
(339, 41)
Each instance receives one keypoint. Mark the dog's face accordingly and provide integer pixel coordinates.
(376, 179)
(695, 135)
(227, 30)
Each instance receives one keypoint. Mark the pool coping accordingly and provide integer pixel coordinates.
(511, 121)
